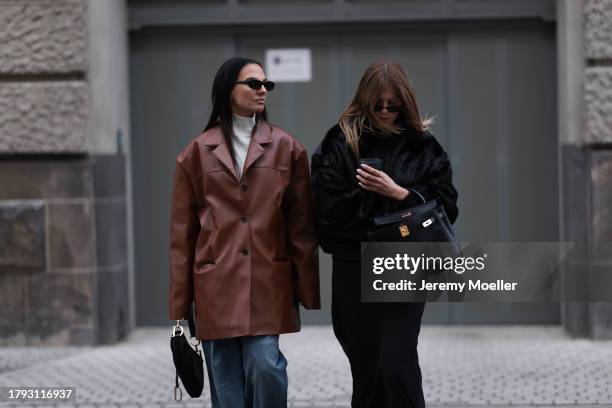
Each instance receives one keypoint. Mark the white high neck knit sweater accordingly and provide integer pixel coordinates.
(243, 128)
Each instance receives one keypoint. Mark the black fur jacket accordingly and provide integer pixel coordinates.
(344, 210)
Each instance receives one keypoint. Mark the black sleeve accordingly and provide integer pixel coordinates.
(342, 208)
(437, 180)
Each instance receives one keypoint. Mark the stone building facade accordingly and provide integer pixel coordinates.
(585, 135)
(64, 258)
(66, 251)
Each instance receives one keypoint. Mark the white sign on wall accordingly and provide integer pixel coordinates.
(289, 65)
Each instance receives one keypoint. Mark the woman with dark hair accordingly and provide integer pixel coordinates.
(381, 122)
(243, 244)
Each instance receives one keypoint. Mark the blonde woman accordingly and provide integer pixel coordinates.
(382, 123)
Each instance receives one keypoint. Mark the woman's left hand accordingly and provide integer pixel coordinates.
(379, 182)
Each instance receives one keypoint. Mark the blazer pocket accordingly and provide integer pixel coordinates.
(278, 167)
(277, 176)
(204, 267)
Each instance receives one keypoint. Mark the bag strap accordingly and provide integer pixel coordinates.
(177, 330)
(178, 393)
(417, 193)
(191, 321)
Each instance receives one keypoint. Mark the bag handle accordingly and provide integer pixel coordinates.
(191, 321)
(417, 193)
(177, 330)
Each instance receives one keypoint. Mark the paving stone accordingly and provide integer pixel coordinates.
(462, 366)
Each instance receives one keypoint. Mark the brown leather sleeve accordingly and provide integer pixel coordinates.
(184, 230)
(301, 234)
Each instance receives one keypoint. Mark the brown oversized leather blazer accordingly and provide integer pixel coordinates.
(243, 250)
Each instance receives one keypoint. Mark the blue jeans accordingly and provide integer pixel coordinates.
(246, 372)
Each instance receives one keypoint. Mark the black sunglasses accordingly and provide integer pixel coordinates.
(255, 84)
(390, 108)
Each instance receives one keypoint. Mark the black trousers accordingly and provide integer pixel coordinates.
(380, 341)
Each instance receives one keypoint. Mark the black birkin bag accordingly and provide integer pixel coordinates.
(426, 222)
(187, 361)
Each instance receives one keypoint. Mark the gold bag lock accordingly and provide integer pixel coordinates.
(404, 231)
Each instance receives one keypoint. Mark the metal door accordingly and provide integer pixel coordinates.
(491, 89)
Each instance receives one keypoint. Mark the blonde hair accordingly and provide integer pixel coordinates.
(359, 115)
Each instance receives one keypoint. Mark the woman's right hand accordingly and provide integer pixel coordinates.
(379, 182)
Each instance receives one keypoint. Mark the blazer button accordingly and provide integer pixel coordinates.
(243, 219)
(243, 187)
(245, 252)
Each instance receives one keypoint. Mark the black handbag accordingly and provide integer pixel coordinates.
(426, 222)
(187, 361)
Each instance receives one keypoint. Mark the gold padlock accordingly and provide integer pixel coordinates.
(404, 230)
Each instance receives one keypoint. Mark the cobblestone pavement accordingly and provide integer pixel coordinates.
(14, 358)
(501, 366)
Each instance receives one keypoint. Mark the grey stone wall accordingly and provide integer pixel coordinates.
(43, 117)
(46, 217)
(23, 233)
(598, 81)
(598, 104)
(63, 269)
(43, 60)
(598, 29)
(600, 313)
(598, 117)
(63, 258)
(587, 175)
(41, 36)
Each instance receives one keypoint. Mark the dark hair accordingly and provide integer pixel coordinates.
(221, 106)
